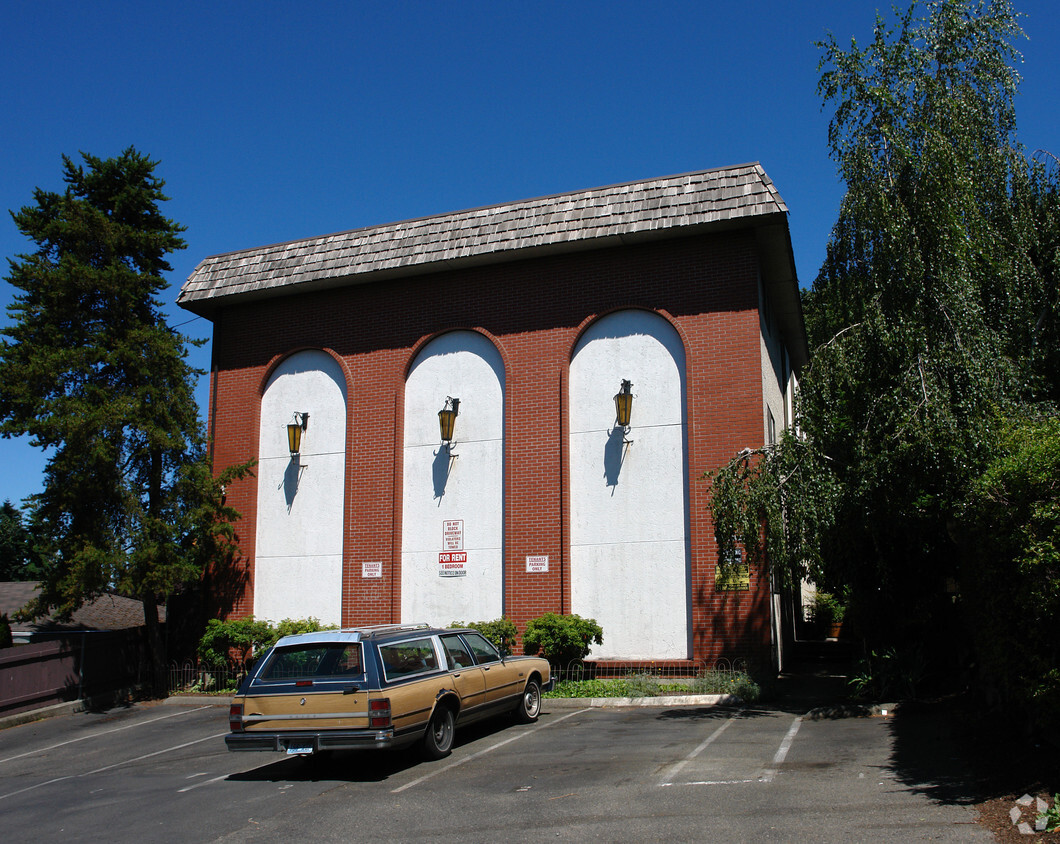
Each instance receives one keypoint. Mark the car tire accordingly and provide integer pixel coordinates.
(529, 706)
(438, 741)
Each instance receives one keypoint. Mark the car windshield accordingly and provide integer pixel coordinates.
(337, 659)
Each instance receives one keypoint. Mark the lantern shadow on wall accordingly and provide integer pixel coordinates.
(442, 467)
(617, 443)
(293, 473)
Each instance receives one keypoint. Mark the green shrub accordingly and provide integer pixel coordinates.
(294, 626)
(889, 674)
(233, 640)
(1010, 586)
(827, 609)
(647, 685)
(240, 639)
(502, 632)
(1051, 815)
(562, 639)
(6, 639)
(591, 688)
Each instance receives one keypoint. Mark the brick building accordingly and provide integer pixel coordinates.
(531, 315)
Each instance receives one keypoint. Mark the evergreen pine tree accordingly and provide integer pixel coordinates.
(93, 373)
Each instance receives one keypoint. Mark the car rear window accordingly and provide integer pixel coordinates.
(340, 659)
(403, 659)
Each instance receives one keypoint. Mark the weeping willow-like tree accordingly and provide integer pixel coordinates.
(933, 322)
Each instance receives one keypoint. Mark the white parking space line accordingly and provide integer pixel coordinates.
(678, 766)
(204, 782)
(782, 752)
(103, 733)
(155, 753)
(32, 787)
(483, 752)
(767, 775)
(708, 782)
(111, 767)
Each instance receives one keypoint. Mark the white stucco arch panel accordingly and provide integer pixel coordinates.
(298, 564)
(630, 547)
(467, 487)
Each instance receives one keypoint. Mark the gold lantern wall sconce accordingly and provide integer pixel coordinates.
(447, 422)
(624, 409)
(295, 430)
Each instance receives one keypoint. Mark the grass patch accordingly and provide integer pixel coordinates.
(647, 685)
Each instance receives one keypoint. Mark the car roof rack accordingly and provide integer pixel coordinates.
(353, 634)
(380, 629)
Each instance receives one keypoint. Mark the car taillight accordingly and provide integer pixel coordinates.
(379, 712)
(235, 717)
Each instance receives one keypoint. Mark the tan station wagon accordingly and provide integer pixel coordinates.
(380, 687)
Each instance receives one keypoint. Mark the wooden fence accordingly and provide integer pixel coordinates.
(71, 666)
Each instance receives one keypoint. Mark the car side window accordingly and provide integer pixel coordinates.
(482, 648)
(457, 652)
(403, 659)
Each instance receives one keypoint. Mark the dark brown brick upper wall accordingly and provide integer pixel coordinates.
(682, 277)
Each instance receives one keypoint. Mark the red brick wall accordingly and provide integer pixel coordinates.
(533, 310)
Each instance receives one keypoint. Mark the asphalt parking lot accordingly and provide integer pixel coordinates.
(162, 773)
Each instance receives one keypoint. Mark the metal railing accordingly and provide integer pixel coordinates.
(648, 675)
(680, 669)
(190, 678)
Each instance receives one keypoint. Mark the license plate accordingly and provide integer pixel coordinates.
(298, 750)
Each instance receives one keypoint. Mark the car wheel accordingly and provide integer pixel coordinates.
(529, 706)
(439, 738)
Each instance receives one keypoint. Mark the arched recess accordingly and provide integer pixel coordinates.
(298, 561)
(461, 487)
(630, 547)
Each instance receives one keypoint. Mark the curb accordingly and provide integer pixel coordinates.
(44, 712)
(820, 713)
(659, 701)
(183, 700)
(103, 701)
(555, 702)
(835, 712)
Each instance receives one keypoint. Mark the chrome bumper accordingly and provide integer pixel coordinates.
(307, 742)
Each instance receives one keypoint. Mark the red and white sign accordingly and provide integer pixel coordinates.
(453, 534)
(452, 564)
(537, 563)
(371, 569)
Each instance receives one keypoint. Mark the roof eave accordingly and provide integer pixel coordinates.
(781, 283)
(207, 306)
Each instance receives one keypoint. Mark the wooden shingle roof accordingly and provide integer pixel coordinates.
(104, 612)
(625, 213)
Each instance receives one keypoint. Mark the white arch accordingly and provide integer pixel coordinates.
(298, 561)
(467, 488)
(630, 547)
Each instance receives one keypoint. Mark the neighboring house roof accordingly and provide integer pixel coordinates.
(673, 206)
(107, 612)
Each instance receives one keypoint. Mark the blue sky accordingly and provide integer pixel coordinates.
(275, 121)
